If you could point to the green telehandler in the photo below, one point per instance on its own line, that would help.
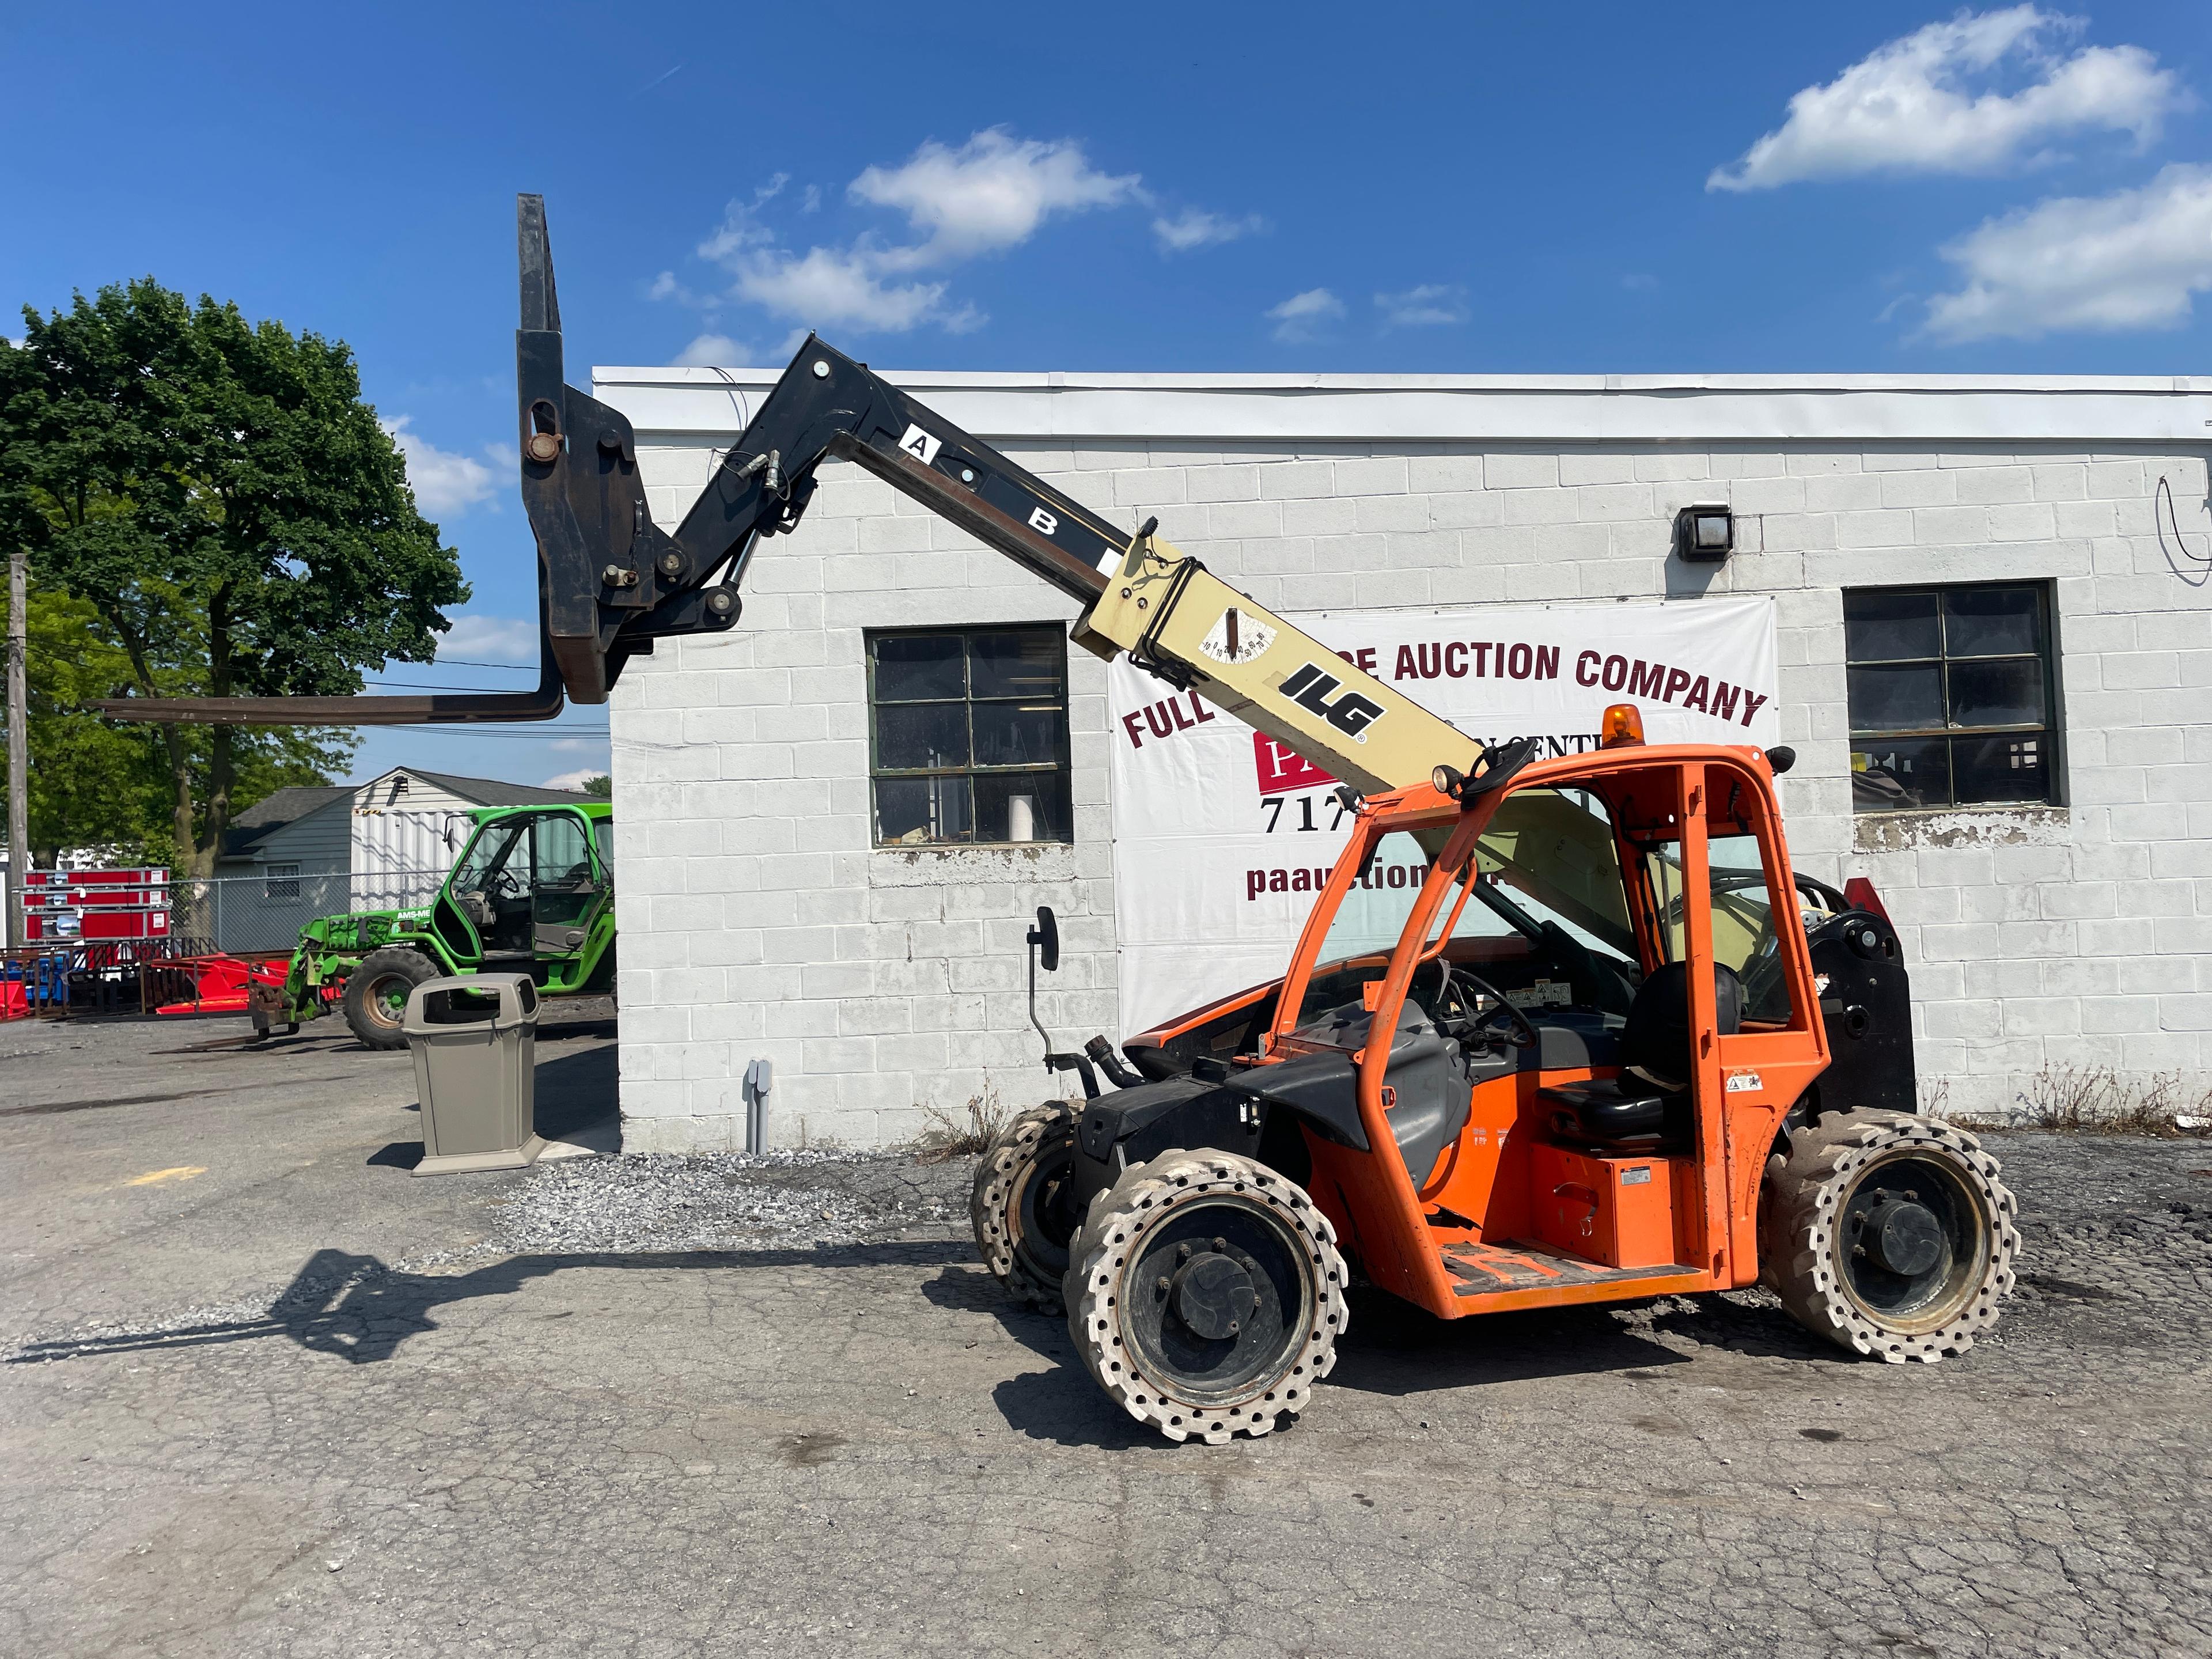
(533, 892)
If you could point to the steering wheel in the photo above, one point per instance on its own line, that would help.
(502, 885)
(1519, 1031)
(1447, 996)
(1764, 994)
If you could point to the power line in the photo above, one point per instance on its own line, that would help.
(428, 686)
(491, 729)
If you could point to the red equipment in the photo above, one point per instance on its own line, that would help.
(213, 985)
(95, 904)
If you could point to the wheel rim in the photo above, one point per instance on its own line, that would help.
(386, 1001)
(1218, 1299)
(1912, 1241)
(1043, 1211)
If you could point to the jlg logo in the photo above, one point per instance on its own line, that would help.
(1311, 687)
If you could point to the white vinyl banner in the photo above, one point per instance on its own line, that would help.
(1222, 836)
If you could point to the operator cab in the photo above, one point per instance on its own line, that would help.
(1521, 972)
(1550, 1102)
(525, 887)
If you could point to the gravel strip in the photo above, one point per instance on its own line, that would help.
(724, 1201)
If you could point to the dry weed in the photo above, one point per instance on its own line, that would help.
(2099, 1100)
(946, 1136)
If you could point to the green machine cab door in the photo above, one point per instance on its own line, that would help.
(565, 883)
(490, 886)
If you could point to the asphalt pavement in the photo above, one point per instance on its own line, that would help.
(262, 1391)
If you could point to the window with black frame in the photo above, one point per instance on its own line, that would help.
(1951, 693)
(968, 731)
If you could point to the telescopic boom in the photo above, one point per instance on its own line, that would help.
(611, 582)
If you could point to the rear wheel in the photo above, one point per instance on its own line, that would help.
(376, 994)
(1206, 1296)
(1889, 1235)
(1023, 1208)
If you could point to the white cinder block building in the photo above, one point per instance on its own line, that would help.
(1995, 645)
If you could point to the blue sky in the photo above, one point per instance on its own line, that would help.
(1610, 188)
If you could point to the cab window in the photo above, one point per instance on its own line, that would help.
(1547, 922)
(1543, 913)
(1744, 936)
(561, 856)
(490, 860)
(1554, 853)
(1369, 920)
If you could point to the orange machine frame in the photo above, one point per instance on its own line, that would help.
(1471, 1208)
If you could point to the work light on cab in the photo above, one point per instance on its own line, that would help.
(1448, 781)
(1622, 727)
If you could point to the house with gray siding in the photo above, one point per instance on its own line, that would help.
(311, 850)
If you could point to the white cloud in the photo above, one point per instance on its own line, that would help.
(1300, 316)
(575, 780)
(444, 482)
(990, 195)
(740, 229)
(1429, 306)
(1194, 227)
(491, 639)
(832, 288)
(712, 351)
(1931, 102)
(667, 286)
(2130, 260)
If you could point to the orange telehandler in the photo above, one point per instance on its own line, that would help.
(1557, 1030)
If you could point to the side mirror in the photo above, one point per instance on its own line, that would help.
(1045, 936)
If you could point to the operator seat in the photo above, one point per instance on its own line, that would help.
(1648, 1107)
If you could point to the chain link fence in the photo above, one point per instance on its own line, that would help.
(259, 915)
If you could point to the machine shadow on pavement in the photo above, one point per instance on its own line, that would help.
(1396, 1349)
(356, 1308)
(1391, 1349)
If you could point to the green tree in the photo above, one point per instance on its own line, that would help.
(238, 522)
(90, 782)
(599, 785)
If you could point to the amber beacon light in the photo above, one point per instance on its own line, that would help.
(1622, 727)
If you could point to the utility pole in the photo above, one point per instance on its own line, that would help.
(19, 740)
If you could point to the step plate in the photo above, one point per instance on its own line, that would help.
(1483, 1268)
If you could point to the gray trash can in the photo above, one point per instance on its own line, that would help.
(475, 1042)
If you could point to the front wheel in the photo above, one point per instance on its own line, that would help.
(1205, 1295)
(1023, 1206)
(376, 994)
(1889, 1235)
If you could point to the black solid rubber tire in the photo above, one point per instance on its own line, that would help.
(1040, 1143)
(1805, 1250)
(1110, 1244)
(378, 968)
